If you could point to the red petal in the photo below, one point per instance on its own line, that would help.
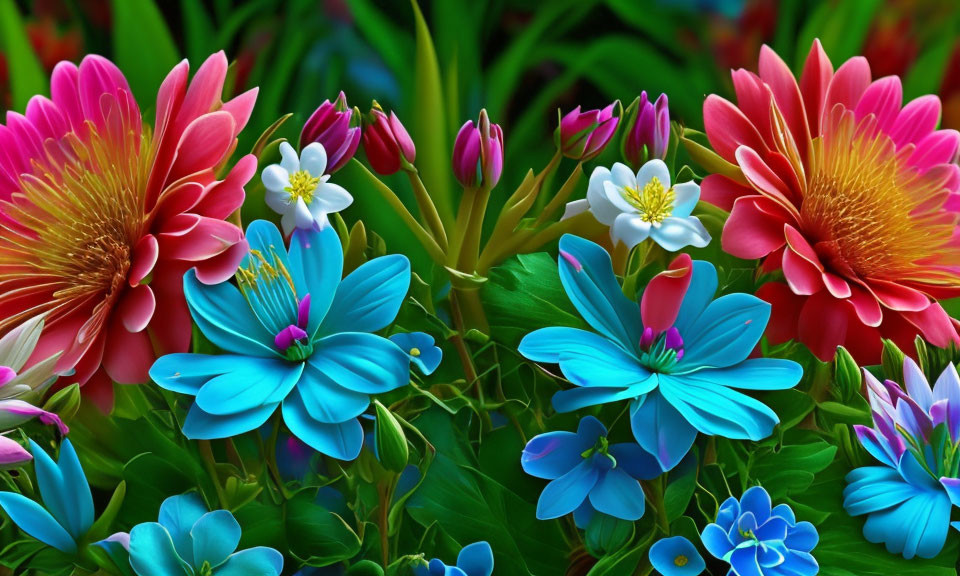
(728, 129)
(127, 356)
(775, 72)
(722, 192)
(145, 255)
(817, 73)
(785, 308)
(662, 297)
(898, 297)
(935, 324)
(823, 324)
(136, 308)
(754, 228)
(764, 179)
(803, 277)
(847, 85)
(865, 305)
(204, 144)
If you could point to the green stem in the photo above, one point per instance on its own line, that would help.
(427, 208)
(460, 228)
(424, 237)
(206, 452)
(470, 249)
(271, 456)
(562, 195)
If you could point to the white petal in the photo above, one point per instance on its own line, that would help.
(331, 198)
(302, 215)
(313, 159)
(657, 168)
(676, 233)
(614, 195)
(279, 202)
(275, 178)
(686, 196)
(601, 207)
(630, 229)
(290, 162)
(575, 208)
(288, 222)
(623, 176)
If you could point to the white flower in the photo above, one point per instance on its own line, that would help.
(21, 388)
(298, 190)
(644, 205)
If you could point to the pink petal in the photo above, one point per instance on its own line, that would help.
(754, 228)
(775, 72)
(241, 108)
(662, 297)
(935, 324)
(722, 191)
(917, 120)
(823, 325)
(223, 266)
(169, 99)
(64, 91)
(12, 454)
(785, 309)
(939, 147)
(203, 145)
(47, 118)
(753, 99)
(127, 356)
(865, 305)
(221, 199)
(29, 411)
(177, 200)
(802, 248)
(764, 179)
(136, 308)
(728, 129)
(847, 85)
(206, 237)
(837, 286)
(883, 99)
(173, 334)
(145, 255)
(99, 76)
(204, 91)
(899, 297)
(816, 77)
(803, 277)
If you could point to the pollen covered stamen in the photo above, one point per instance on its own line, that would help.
(302, 185)
(654, 202)
(268, 288)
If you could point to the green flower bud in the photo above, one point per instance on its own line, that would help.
(390, 442)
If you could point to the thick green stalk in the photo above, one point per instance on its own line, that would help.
(427, 208)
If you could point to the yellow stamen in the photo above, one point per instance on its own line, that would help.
(680, 561)
(654, 202)
(414, 352)
(302, 185)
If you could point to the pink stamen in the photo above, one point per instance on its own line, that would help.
(303, 312)
(647, 338)
(286, 337)
(571, 260)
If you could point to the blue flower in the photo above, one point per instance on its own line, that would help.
(473, 560)
(68, 514)
(676, 556)
(189, 540)
(759, 541)
(424, 354)
(679, 356)
(297, 337)
(908, 500)
(585, 469)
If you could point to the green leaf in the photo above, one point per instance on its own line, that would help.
(65, 403)
(27, 77)
(316, 535)
(791, 469)
(606, 534)
(623, 563)
(429, 128)
(142, 46)
(682, 484)
(101, 528)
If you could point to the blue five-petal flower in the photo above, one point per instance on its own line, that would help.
(474, 560)
(296, 337)
(676, 556)
(674, 393)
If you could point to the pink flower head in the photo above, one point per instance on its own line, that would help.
(478, 153)
(846, 190)
(386, 142)
(102, 214)
(583, 135)
(648, 133)
(332, 125)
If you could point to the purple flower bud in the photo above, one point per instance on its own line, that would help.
(583, 135)
(478, 153)
(12, 454)
(647, 338)
(334, 126)
(648, 131)
(303, 312)
(6, 374)
(673, 339)
(286, 337)
(386, 142)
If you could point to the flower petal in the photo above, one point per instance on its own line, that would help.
(37, 522)
(327, 401)
(370, 297)
(619, 495)
(661, 430)
(152, 551)
(725, 333)
(718, 410)
(251, 384)
(224, 317)
(257, 561)
(201, 425)
(563, 495)
(361, 362)
(215, 537)
(316, 259)
(341, 441)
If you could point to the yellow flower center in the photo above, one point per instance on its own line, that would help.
(654, 202)
(414, 352)
(867, 212)
(680, 561)
(302, 185)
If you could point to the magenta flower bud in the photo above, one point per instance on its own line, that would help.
(646, 339)
(583, 135)
(335, 127)
(478, 153)
(386, 142)
(648, 131)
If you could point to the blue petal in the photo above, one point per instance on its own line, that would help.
(429, 356)
(186, 373)
(152, 552)
(916, 527)
(252, 383)
(744, 562)
(201, 425)
(215, 537)
(583, 514)
(259, 561)
(177, 515)
(619, 495)
(327, 401)
(590, 429)
(316, 258)
(717, 410)
(362, 362)
(565, 494)
(476, 559)
(799, 563)
(952, 486)
(594, 291)
(576, 398)
(225, 318)
(756, 501)
(874, 488)
(116, 546)
(661, 430)
(370, 297)
(597, 361)
(715, 540)
(725, 333)
(546, 344)
(703, 286)
(37, 522)
(53, 490)
(635, 461)
(80, 499)
(754, 374)
(802, 537)
(551, 455)
(665, 552)
(341, 441)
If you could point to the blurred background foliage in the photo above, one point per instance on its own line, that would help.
(521, 59)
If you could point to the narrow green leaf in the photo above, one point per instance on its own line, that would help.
(142, 45)
(26, 74)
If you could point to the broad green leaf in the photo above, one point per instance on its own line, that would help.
(142, 46)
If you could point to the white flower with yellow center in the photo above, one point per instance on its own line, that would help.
(299, 191)
(644, 205)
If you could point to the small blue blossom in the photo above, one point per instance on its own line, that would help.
(297, 337)
(67, 514)
(188, 540)
(680, 357)
(421, 347)
(676, 556)
(758, 540)
(473, 560)
(586, 471)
